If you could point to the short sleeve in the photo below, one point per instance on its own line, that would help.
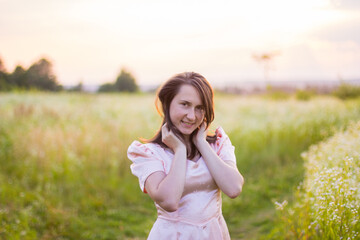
(144, 162)
(223, 146)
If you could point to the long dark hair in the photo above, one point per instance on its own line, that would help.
(166, 94)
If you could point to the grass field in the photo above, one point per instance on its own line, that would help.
(64, 173)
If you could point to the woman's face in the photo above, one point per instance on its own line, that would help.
(186, 110)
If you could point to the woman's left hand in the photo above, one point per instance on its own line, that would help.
(200, 137)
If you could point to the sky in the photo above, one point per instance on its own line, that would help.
(92, 40)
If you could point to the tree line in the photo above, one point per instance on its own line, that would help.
(40, 76)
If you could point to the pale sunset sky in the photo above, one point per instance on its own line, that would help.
(91, 40)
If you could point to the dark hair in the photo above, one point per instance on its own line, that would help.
(166, 94)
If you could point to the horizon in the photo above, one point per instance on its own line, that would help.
(244, 85)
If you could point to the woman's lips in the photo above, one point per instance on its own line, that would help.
(187, 124)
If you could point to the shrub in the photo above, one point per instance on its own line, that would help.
(345, 91)
(304, 95)
(276, 94)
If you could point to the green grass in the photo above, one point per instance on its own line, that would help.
(65, 175)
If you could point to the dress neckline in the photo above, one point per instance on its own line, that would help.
(189, 160)
(197, 160)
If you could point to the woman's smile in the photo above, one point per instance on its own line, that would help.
(187, 124)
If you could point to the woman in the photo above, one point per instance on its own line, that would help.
(183, 169)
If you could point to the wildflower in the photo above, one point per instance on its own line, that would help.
(280, 206)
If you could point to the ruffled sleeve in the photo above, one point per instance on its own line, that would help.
(223, 146)
(144, 162)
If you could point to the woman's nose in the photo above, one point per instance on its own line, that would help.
(191, 114)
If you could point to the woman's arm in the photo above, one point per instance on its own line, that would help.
(225, 173)
(166, 190)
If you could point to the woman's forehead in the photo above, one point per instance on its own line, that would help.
(188, 93)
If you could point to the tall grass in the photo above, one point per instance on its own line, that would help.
(65, 169)
(64, 172)
(328, 201)
(269, 137)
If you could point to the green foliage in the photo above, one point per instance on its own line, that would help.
(107, 87)
(4, 84)
(304, 95)
(327, 204)
(346, 91)
(65, 175)
(2, 66)
(38, 76)
(125, 82)
(276, 94)
(19, 78)
(77, 88)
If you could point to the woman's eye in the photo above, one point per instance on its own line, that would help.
(200, 108)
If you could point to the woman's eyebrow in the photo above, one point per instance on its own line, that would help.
(190, 103)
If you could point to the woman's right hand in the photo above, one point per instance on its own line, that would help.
(170, 139)
(166, 189)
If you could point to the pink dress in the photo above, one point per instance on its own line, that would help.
(199, 214)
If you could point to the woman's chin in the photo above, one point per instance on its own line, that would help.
(186, 132)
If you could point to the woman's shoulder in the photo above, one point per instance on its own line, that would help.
(221, 137)
(136, 145)
(220, 134)
(220, 131)
(223, 146)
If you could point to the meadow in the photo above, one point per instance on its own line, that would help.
(64, 173)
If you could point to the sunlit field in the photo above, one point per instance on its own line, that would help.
(64, 173)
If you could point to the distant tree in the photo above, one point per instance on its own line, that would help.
(4, 81)
(125, 82)
(77, 88)
(2, 66)
(19, 78)
(41, 76)
(107, 87)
